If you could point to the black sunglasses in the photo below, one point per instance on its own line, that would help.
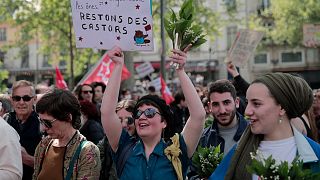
(47, 123)
(129, 120)
(86, 92)
(25, 98)
(149, 113)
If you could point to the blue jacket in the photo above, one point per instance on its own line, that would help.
(308, 150)
(211, 136)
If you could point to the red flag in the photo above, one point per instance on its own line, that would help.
(60, 83)
(165, 91)
(102, 71)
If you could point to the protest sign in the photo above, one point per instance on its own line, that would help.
(244, 46)
(144, 69)
(311, 35)
(102, 24)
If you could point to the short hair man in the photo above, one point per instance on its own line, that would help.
(228, 124)
(98, 88)
(26, 122)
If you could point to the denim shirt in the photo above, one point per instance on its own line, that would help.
(137, 167)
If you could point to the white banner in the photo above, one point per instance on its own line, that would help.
(144, 69)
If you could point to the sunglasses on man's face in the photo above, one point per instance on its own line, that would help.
(87, 92)
(47, 123)
(149, 113)
(25, 98)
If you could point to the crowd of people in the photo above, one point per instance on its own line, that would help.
(102, 132)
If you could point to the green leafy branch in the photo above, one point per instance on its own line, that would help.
(183, 25)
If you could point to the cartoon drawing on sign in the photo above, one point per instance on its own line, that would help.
(139, 37)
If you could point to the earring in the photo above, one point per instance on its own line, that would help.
(280, 121)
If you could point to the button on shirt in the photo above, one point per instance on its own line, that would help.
(137, 167)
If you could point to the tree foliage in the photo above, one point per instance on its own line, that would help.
(51, 22)
(288, 18)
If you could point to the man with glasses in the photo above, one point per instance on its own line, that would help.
(26, 122)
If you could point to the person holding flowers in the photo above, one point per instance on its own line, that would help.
(151, 157)
(273, 99)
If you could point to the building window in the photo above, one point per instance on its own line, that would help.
(3, 34)
(25, 57)
(231, 35)
(231, 5)
(291, 57)
(261, 59)
(45, 62)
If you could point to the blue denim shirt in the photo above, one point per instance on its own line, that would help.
(137, 167)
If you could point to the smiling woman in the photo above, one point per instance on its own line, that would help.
(64, 153)
(152, 155)
(273, 100)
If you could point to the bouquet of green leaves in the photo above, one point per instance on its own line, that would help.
(206, 160)
(270, 169)
(182, 30)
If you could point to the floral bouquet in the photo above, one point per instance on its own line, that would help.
(182, 30)
(206, 160)
(270, 169)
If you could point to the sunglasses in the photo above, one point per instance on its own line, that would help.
(87, 92)
(47, 123)
(128, 120)
(25, 98)
(149, 113)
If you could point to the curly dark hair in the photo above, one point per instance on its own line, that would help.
(60, 104)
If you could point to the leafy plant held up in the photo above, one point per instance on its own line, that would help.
(184, 26)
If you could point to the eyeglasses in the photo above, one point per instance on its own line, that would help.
(25, 98)
(47, 123)
(149, 113)
(87, 92)
(128, 120)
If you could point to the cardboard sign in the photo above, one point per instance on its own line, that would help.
(102, 24)
(244, 46)
(144, 69)
(311, 35)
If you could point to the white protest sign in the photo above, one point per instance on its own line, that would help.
(244, 45)
(144, 69)
(311, 35)
(156, 83)
(102, 24)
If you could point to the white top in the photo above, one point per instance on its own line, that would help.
(281, 150)
(10, 152)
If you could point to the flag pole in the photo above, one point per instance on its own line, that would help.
(90, 71)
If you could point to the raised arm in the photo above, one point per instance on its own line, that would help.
(110, 121)
(194, 126)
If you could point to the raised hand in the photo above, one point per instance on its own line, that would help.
(231, 68)
(116, 55)
(179, 57)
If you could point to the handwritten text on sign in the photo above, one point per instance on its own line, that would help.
(244, 46)
(102, 24)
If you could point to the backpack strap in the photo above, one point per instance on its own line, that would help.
(124, 155)
(74, 158)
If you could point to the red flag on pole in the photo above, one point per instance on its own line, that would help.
(102, 71)
(165, 91)
(60, 83)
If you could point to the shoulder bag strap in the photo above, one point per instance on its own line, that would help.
(74, 158)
